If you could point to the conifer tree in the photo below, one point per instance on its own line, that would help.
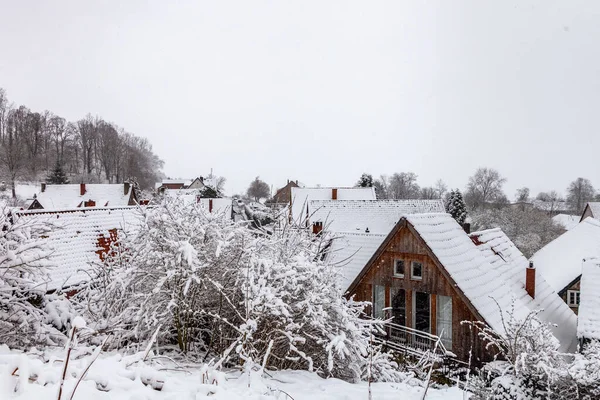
(57, 176)
(455, 206)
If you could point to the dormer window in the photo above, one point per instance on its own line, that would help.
(416, 270)
(573, 298)
(399, 268)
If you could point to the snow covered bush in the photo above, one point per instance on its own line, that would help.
(585, 370)
(237, 295)
(530, 365)
(23, 270)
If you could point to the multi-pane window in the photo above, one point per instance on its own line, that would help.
(416, 270)
(378, 301)
(573, 298)
(399, 268)
(444, 320)
(399, 307)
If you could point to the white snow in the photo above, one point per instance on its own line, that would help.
(379, 216)
(567, 221)
(64, 197)
(74, 239)
(302, 196)
(117, 377)
(511, 264)
(560, 260)
(589, 306)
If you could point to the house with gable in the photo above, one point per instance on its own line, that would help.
(300, 198)
(592, 209)
(83, 195)
(429, 275)
(283, 196)
(560, 260)
(588, 326)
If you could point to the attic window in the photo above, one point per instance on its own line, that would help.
(399, 268)
(416, 270)
(573, 298)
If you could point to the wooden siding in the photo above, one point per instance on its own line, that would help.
(575, 285)
(408, 247)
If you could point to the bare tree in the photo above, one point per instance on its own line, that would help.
(429, 193)
(404, 186)
(381, 187)
(484, 187)
(441, 188)
(12, 151)
(579, 192)
(522, 194)
(258, 190)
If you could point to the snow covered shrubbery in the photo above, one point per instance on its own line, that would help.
(23, 265)
(532, 367)
(235, 294)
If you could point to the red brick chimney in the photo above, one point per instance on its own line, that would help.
(43, 187)
(334, 194)
(530, 280)
(317, 227)
(81, 189)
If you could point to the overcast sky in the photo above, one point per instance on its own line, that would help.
(321, 91)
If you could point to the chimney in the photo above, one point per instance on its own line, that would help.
(126, 188)
(334, 194)
(43, 187)
(467, 227)
(81, 189)
(317, 227)
(89, 203)
(530, 280)
(210, 205)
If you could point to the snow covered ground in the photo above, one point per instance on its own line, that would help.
(36, 375)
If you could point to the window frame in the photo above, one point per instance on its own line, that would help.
(375, 299)
(403, 268)
(577, 295)
(412, 271)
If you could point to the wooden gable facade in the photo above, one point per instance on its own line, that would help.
(419, 293)
(571, 294)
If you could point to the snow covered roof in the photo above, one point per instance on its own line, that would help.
(66, 197)
(351, 251)
(594, 207)
(379, 216)
(567, 221)
(302, 196)
(589, 301)
(560, 260)
(75, 241)
(219, 205)
(511, 265)
(551, 205)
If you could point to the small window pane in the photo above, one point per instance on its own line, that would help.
(573, 297)
(417, 270)
(378, 301)
(399, 268)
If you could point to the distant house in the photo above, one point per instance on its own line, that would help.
(67, 197)
(283, 196)
(369, 216)
(81, 239)
(193, 196)
(429, 275)
(172, 184)
(588, 326)
(560, 260)
(179, 184)
(549, 207)
(592, 209)
(302, 196)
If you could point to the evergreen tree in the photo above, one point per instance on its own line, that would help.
(57, 176)
(455, 206)
(365, 180)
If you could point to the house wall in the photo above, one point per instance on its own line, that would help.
(576, 285)
(284, 195)
(587, 212)
(405, 245)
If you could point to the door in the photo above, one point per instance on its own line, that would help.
(422, 312)
(399, 307)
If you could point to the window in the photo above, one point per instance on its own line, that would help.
(416, 270)
(421, 316)
(573, 298)
(444, 320)
(378, 301)
(399, 268)
(399, 307)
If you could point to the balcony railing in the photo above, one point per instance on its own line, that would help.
(411, 341)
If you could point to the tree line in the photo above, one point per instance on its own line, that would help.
(484, 190)
(90, 150)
